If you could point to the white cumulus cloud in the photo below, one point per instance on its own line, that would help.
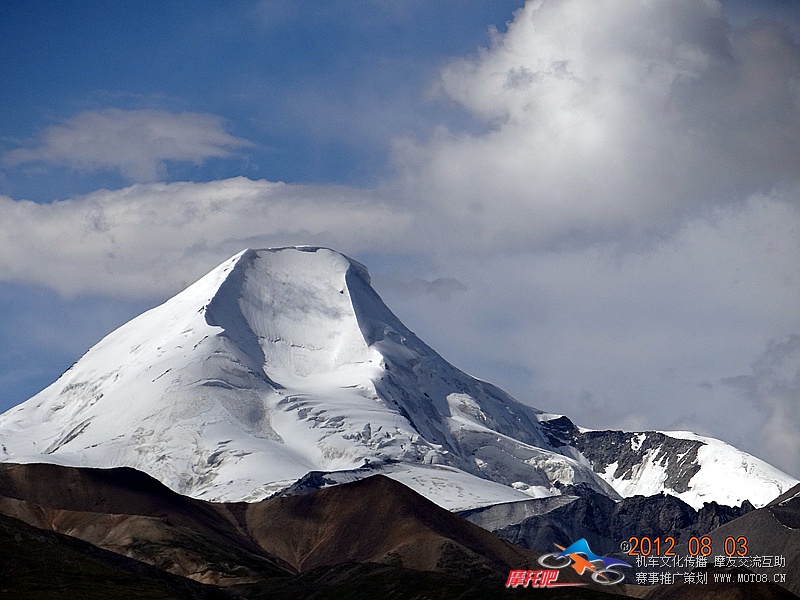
(610, 119)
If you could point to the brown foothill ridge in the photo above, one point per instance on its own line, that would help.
(373, 520)
(376, 519)
(131, 513)
(119, 490)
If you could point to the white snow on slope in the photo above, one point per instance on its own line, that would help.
(277, 363)
(725, 475)
(741, 475)
(285, 361)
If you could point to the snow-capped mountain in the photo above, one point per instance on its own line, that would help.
(697, 469)
(284, 361)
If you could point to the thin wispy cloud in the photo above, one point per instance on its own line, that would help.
(150, 240)
(773, 386)
(136, 143)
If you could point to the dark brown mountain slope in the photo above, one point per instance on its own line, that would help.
(773, 530)
(36, 564)
(373, 520)
(121, 490)
(128, 512)
(374, 534)
(722, 591)
(378, 520)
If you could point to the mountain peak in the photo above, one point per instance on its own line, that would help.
(285, 361)
(290, 311)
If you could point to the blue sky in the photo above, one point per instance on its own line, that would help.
(318, 88)
(593, 206)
